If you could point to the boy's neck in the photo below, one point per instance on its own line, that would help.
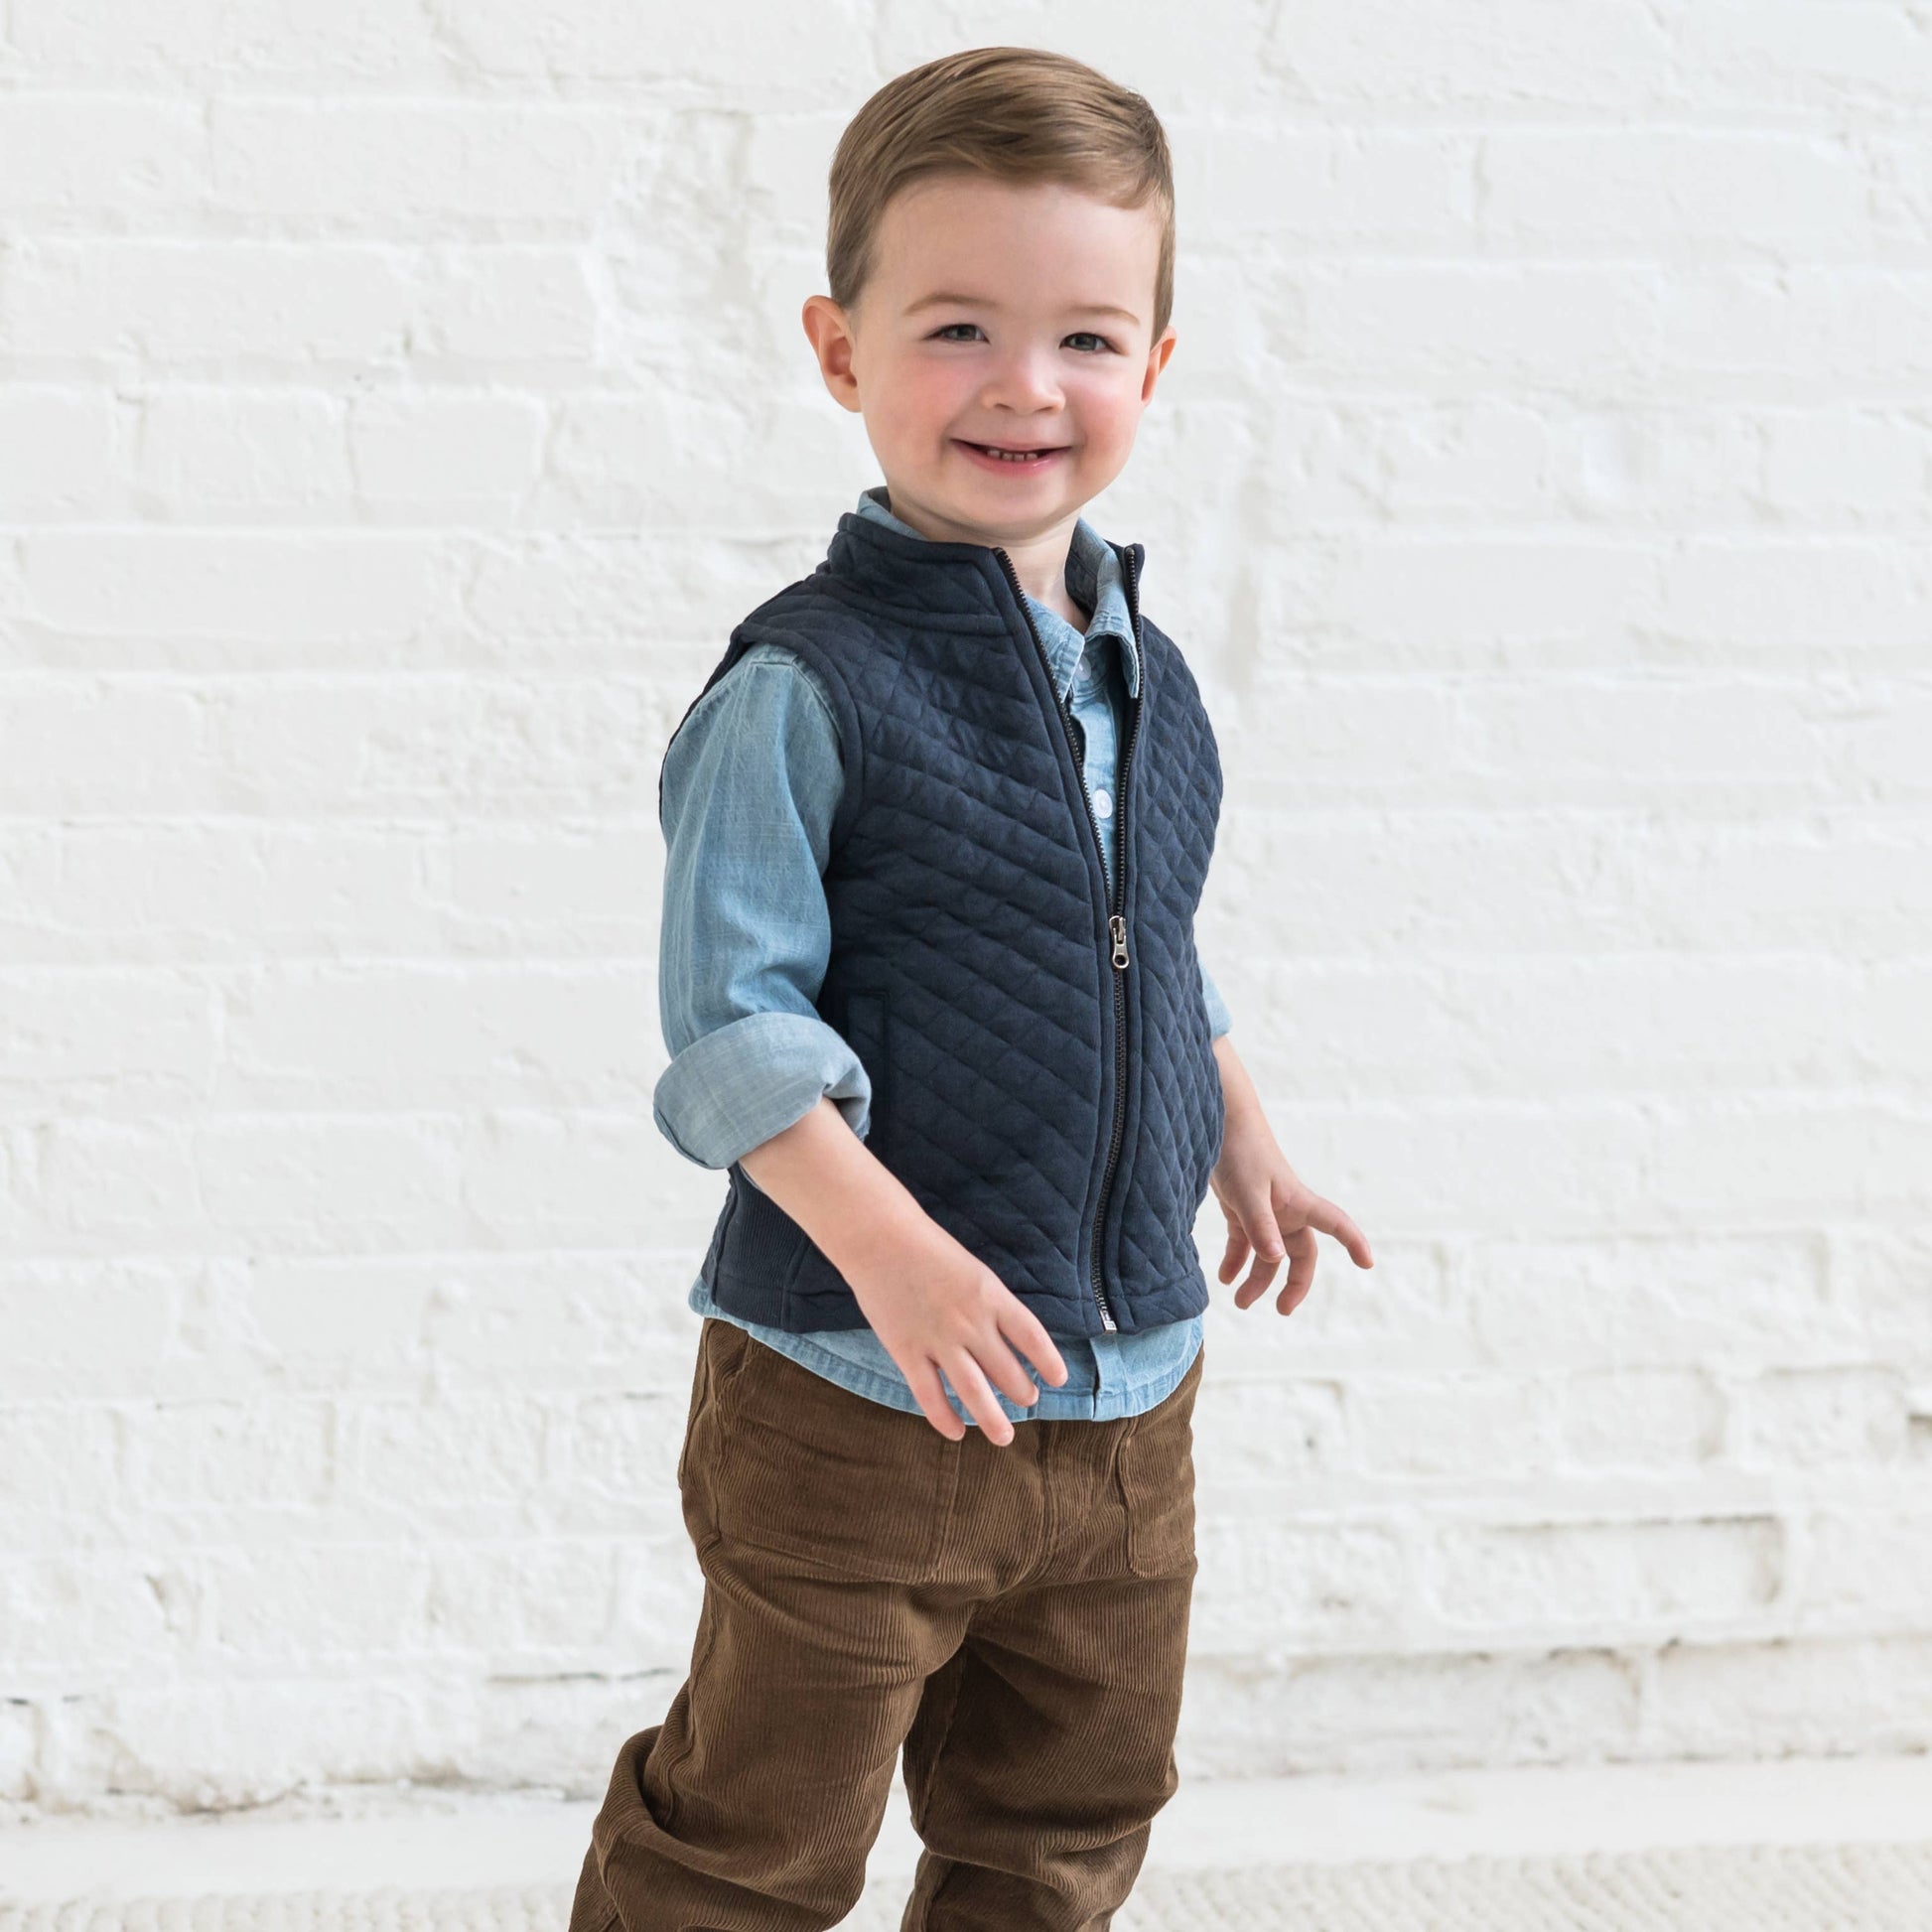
(1039, 561)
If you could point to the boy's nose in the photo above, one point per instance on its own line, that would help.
(1025, 380)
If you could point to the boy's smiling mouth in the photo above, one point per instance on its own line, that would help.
(1012, 456)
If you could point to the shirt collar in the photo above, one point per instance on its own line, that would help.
(1093, 578)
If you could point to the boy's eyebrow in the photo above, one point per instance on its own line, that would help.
(951, 301)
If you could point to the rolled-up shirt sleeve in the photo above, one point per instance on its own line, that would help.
(751, 782)
(1219, 1021)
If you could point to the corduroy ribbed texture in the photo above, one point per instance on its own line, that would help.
(1016, 1617)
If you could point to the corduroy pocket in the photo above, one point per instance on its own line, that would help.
(722, 1349)
(1153, 1467)
(700, 1388)
(818, 1474)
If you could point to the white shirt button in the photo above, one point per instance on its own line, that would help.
(1103, 805)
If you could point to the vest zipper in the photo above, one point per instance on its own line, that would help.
(1116, 922)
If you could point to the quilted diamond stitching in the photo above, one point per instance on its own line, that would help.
(964, 892)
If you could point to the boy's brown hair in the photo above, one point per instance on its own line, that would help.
(1016, 113)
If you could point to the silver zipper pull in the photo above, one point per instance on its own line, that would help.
(1119, 925)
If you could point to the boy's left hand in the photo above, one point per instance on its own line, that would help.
(1271, 1211)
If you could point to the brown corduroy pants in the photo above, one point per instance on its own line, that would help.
(1015, 1617)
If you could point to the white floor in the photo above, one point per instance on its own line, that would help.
(358, 1840)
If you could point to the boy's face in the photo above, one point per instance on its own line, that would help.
(998, 314)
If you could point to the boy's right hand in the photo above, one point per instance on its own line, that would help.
(936, 1306)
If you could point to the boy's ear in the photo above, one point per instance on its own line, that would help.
(830, 336)
(1157, 360)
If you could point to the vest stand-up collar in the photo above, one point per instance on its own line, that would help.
(940, 576)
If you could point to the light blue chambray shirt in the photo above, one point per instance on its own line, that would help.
(752, 781)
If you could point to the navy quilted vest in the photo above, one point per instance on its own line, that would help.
(1043, 1080)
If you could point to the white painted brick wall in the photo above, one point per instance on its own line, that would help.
(398, 407)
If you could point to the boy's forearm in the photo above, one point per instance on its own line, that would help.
(1237, 1089)
(849, 1201)
(833, 1185)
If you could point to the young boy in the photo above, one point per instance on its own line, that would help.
(937, 827)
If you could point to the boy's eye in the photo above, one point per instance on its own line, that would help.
(1079, 334)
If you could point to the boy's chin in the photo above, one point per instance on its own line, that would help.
(970, 485)
(968, 497)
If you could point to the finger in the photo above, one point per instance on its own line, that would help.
(1237, 1253)
(972, 1388)
(1259, 1276)
(1006, 1371)
(1327, 1216)
(1040, 1347)
(923, 1378)
(1301, 1257)
(1265, 1233)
